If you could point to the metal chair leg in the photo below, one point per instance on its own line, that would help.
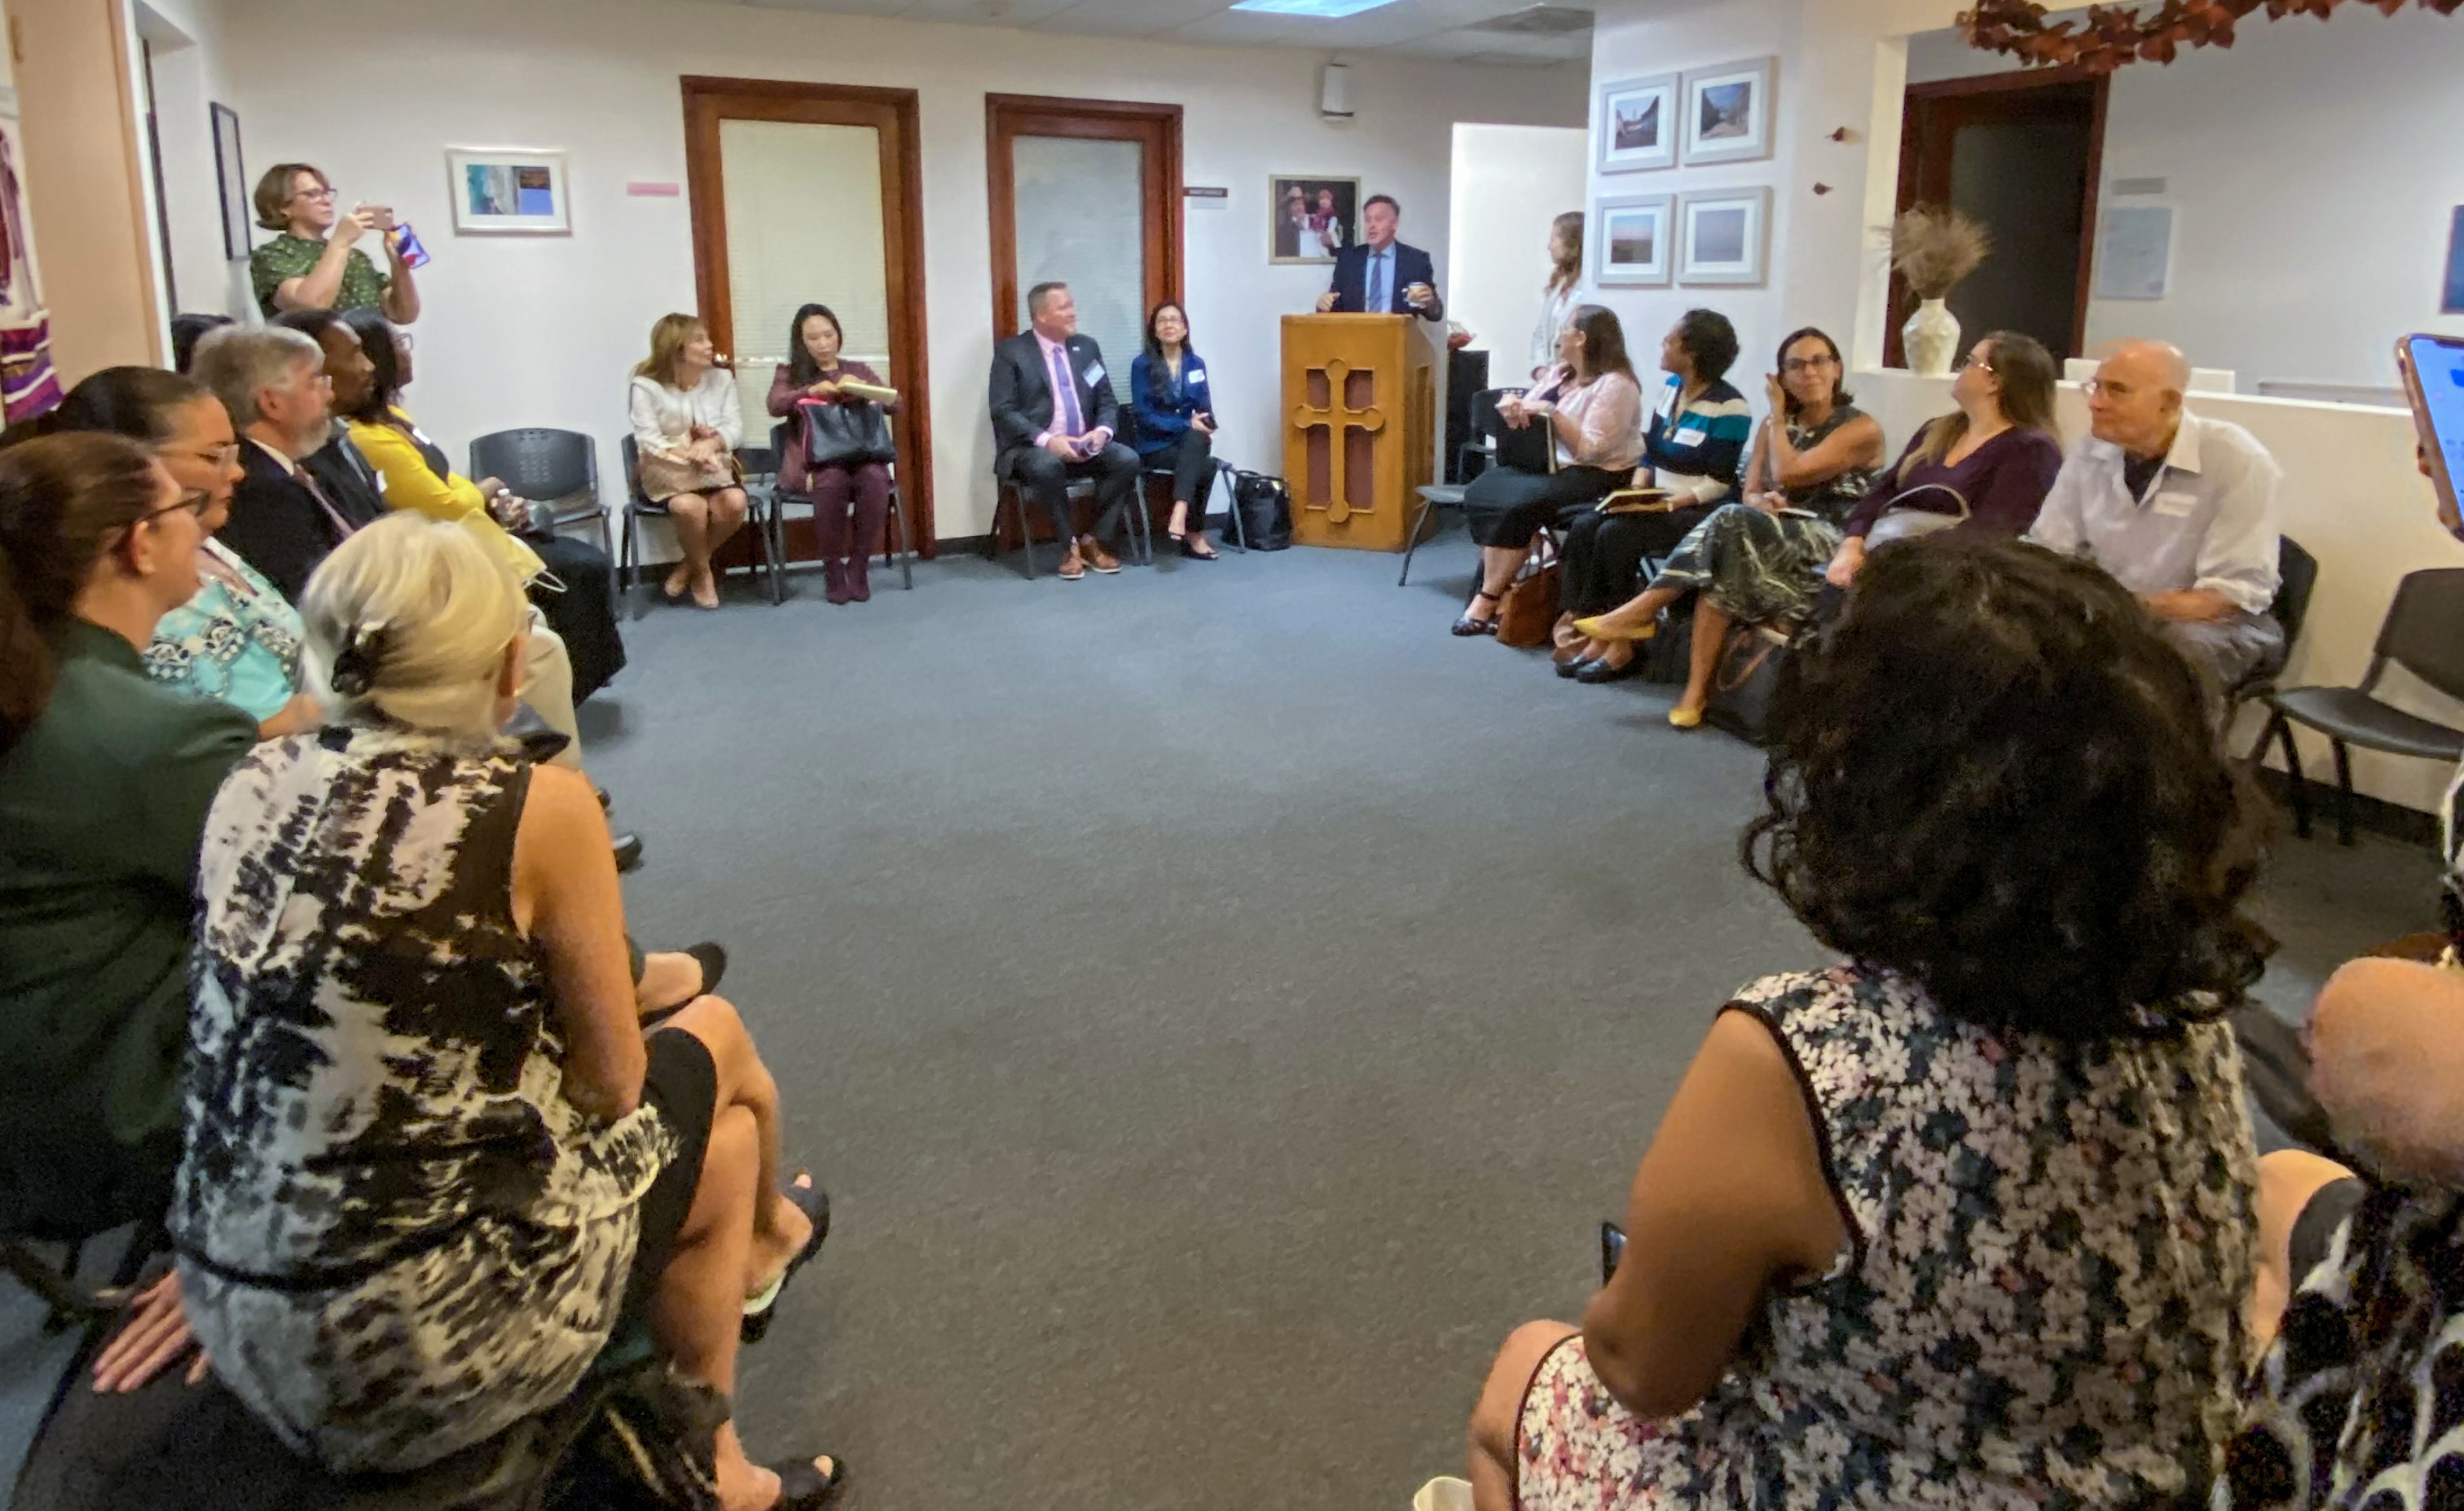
(1236, 533)
(2281, 729)
(776, 548)
(906, 543)
(1412, 541)
(629, 572)
(2344, 792)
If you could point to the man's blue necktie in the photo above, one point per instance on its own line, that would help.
(1377, 297)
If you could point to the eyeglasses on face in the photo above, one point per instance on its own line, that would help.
(195, 503)
(1971, 359)
(2103, 388)
(324, 192)
(1799, 364)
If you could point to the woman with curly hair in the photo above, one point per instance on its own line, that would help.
(1964, 1222)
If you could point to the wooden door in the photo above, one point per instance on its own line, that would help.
(1101, 185)
(2021, 152)
(720, 117)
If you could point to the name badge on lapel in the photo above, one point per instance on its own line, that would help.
(1092, 375)
(1692, 436)
(1197, 379)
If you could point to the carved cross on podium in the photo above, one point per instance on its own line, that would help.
(1338, 416)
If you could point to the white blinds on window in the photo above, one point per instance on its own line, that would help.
(1080, 223)
(803, 225)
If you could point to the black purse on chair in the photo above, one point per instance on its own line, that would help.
(847, 435)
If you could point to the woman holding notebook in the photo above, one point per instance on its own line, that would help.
(816, 373)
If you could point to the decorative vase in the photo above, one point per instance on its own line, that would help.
(1931, 337)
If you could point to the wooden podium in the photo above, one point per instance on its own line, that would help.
(1360, 410)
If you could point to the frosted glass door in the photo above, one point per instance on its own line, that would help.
(804, 226)
(1080, 221)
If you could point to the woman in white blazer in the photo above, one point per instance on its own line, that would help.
(687, 424)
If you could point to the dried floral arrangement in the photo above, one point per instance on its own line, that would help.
(1934, 246)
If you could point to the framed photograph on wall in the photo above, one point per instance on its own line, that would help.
(1723, 236)
(1311, 217)
(501, 190)
(231, 174)
(1729, 111)
(1635, 124)
(1632, 234)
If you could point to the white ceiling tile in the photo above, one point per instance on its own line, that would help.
(836, 7)
(1129, 17)
(1407, 28)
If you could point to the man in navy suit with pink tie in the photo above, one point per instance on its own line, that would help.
(1054, 416)
(1381, 275)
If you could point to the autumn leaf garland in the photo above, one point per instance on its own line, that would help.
(2112, 35)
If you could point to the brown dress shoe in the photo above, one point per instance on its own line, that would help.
(1072, 568)
(1101, 560)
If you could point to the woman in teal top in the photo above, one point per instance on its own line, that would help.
(1175, 414)
(237, 639)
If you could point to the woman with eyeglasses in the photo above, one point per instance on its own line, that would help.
(236, 638)
(1760, 561)
(105, 777)
(314, 263)
(1986, 467)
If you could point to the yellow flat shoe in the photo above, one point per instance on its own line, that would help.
(1592, 628)
(1686, 718)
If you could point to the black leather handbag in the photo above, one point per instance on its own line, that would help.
(847, 435)
(1748, 675)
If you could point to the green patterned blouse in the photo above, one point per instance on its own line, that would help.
(287, 256)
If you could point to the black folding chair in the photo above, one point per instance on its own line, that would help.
(1485, 422)
(2422, 633)
(629, 565)
(1236, 533)
(1008, 498)
(2297, 576)
(556, 468)
(897, 537)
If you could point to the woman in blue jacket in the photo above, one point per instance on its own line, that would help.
(1176, 423)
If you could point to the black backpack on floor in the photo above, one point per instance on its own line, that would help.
(1266, 507)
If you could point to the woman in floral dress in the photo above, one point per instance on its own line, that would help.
(1964, 1222)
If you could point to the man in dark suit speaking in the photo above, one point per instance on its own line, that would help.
(1054, 418)
(1381, 275)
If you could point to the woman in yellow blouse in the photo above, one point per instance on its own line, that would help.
(416, 474)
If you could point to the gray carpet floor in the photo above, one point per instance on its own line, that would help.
(1220, 1003)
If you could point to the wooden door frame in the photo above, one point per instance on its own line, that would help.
(1911, 149)
(902, 226)
(1006, 115)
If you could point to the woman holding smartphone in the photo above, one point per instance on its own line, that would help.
(1175, 416)
(315, 263)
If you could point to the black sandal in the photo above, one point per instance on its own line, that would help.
(1468, 627)
(801, 1487)
(815, 1204)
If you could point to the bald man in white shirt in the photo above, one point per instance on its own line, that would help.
(2178, 509)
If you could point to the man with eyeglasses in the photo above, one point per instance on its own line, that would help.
(2178, 509)
(284, 518)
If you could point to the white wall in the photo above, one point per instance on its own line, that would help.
(2313, 174)
(542, 331)
(1842, 70)
(188, 76)
(1509, 183)
(2354, 500)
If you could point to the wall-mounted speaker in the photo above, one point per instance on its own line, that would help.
(1335, 92)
